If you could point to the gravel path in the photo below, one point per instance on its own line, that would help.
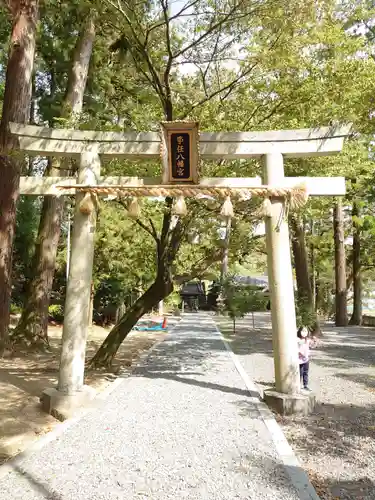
(181, 427)
(336, 444)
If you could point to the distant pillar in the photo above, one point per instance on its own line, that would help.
(284, 329)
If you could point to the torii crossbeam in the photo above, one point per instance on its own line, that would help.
(90, 146)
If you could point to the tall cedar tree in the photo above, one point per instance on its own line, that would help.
(301, 263)
(356, 318)
(33, 326)
(16, 108)
(341, 316)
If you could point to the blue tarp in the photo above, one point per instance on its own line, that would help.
(145, 328)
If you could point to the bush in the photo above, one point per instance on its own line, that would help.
(56, 312)
(305, 316)
(239, 300)
(15, 308)
(173, 301)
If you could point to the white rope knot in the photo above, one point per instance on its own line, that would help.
(227, 208)
(134, 210)
(266, 208)
(179, 207)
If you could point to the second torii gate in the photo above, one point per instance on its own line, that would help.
(90, 146)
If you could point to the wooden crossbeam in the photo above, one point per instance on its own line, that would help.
(316, 186)
(146, 145)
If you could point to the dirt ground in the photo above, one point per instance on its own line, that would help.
(24, 375)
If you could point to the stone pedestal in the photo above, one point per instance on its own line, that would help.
(289, 404)
(63, 406)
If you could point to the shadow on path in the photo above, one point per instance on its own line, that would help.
(206, 385)
(184, 359)
(37, 486)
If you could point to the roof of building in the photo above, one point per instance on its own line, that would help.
(192, 288)
(261, 281)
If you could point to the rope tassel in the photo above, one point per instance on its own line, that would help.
(179, 207)
(87, 204)
(266, 208)
(134, 210)
(227, 208)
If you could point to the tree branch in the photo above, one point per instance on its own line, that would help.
(272, 112)
(155, 233)
(177, 236)
(168, 94)
(230, 86)
(200, 267)
(166, 220)
(210, 30)
(207, 61)
(141, 48)
(184, 9)
(214, 52)
(143, 226)
(151, 231)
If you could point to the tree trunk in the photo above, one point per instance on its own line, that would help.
(120, 311)
(168, 245)
(300, 260)
(33, 326)
(159, 290)
(313, 270)
(91, 306)
(73, 101)
(313, 276)
(356, 318)
(305, 294)
(16, 108)
(341, 317)
(318, 298)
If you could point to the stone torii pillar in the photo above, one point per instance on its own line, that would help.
(286, 398)
(71, 391)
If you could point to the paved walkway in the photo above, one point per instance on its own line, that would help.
(184, 426)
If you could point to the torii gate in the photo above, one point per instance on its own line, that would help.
(270, 146)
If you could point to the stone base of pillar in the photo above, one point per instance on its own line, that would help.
(289, 404)
(63, 406)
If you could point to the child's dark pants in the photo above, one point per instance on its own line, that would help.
(304, 373)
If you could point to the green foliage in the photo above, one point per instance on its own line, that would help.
(239, 300)
(125, 256)
(15, 309)
(56, 312)
(270, 65)
(23, 249)
(304, 315)
(173, 301)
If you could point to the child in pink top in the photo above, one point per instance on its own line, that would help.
(304, 345)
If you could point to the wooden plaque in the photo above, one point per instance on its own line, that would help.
(180, 152)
